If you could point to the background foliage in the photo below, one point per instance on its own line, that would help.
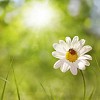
(28, 50)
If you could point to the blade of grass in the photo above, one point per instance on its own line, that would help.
(90, 97)
(2, 95)
(3, 79)
(52, 98)
(84, 84)
(97, 63)
(18, 94)
(45, 91)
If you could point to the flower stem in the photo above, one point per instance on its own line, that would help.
(84, 84)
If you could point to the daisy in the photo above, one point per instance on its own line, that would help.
(71, 54)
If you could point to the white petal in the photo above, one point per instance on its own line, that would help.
(73, 70)
(68, 41)
(82, 42)
(64, 67)
(81, 65)
(78, 45)
(88, 57)
(75, 40)
(86, 62)
(62, 42)
(58, 64)
(58, 55)
(58, 47)
(55, 45)
(64, 45)
(85, 49)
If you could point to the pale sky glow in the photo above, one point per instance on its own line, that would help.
(39, 15)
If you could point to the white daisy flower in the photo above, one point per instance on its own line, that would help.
(71, 54)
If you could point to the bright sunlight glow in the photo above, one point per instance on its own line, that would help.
(39, 15)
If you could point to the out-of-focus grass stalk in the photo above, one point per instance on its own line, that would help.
(2, 95)
(18, 94)
(90, 97)
(84, 84)
(3, 79)
(97, 63)
(6, 80)
(45, 91)
(52, 98)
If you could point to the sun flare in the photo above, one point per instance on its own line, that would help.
(39, 15)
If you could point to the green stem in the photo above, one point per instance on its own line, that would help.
(84, 84)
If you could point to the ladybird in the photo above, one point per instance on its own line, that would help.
(71, 51)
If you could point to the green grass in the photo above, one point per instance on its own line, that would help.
(17, 89)
(4, 87)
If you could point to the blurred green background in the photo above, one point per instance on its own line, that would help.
(28, 28)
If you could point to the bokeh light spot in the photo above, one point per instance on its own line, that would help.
(39, 15)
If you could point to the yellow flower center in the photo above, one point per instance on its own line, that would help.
(71, 55)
